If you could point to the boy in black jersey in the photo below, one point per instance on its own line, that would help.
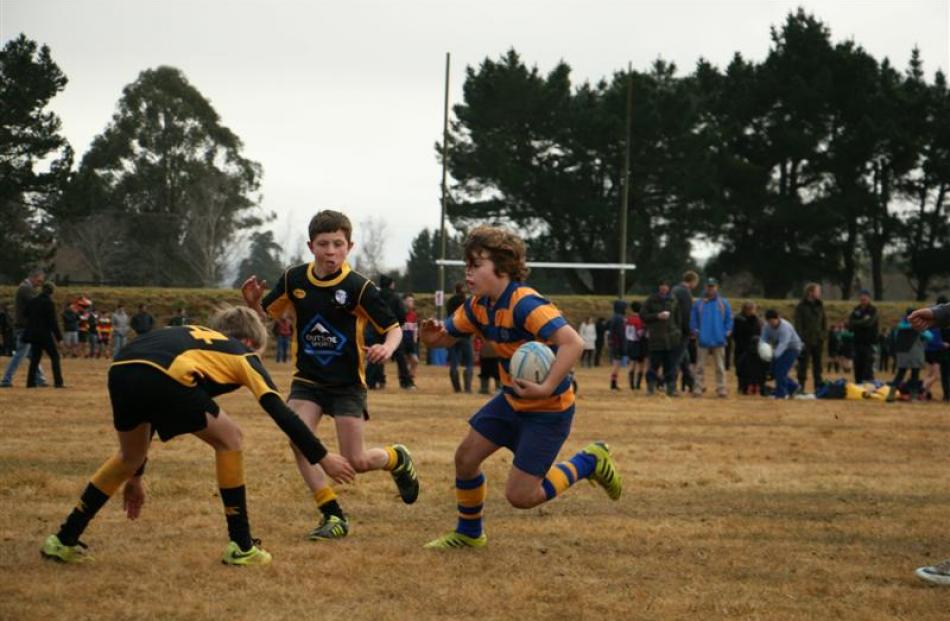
(165, 382)
(333, 306)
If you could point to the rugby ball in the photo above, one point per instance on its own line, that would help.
(765, 351)
(532, 362)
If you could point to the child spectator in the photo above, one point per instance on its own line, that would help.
(120, 328)
(588, 332)
(410, 338)
(71, 330)
(283, 330)
(910, 356)
(786, 347)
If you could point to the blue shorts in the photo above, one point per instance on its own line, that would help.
(535, 438)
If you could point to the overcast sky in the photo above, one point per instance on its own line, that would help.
(341, 102)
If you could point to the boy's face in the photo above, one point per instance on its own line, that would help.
(773, 322)
(481, 278)
(329, 251)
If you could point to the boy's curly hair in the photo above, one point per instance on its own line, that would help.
(504, 248)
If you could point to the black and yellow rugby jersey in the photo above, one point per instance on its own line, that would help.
(198, 356)
(331, 318)
(519, 315)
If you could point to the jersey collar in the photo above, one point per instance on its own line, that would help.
(332, 281)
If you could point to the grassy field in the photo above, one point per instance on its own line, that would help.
(738, 508)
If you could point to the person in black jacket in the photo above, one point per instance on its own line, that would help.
(747, 327)
(863, 323)
(387, 291)
(43, 334)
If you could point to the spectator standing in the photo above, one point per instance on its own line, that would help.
(746, 329)
(711, 324)
(863, 324)
(387, 291)
(461, 352)
(601, 326)
(933, 352)
(410, 336)
(24, 293)
(911, 356)
(6, 332)
(92, 331)
(811, 324)
(786, 347)
(615, 340)
(71, 330)
(488, 368)
(142, 321)
(588, 332)
(120, 328)
(945, 357)
(283, 330)
(43, 334)
(682, 357)
(180, 318)
(661, 317)
(636, 350)
(105, 333)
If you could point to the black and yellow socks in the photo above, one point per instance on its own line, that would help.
(104, 483)
(230, 469)
(326, 502)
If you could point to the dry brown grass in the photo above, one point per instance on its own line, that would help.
(743, 508)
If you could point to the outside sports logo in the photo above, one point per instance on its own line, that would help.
(323, 342)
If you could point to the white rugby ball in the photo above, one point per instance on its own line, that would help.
(765, 351)
(532, 362)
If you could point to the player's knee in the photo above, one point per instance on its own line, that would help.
(519, 499)
(465, 465)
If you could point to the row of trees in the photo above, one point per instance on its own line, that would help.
(808, 165)
(159, 198)
(801, 167)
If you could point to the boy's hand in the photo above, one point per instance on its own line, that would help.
(253, 291)
(133, 497)
(338, 468)
(531, 390)
(377, 353)
(921, 319)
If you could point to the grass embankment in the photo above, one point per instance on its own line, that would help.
(200, 302)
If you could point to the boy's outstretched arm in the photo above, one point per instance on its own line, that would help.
(433, 334)
(569, 348)
(253, 292)
(381, 352)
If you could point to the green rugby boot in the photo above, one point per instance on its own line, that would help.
(605, 472)
(55, 550)
(332, 527)
(405, 475)
(457, 540)
(234, 555)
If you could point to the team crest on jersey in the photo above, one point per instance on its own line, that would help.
(300, 294)
(323, 342)
(340, 296)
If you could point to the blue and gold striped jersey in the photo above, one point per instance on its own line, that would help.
(200, 357)
(331, 318)
(519, 315)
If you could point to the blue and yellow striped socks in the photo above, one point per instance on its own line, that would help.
(566, 473)
(471, 495)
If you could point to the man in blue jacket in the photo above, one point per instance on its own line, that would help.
(711, 322)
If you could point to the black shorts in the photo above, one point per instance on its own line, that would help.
(337, 401)
(410, 347)
(143, 394)
(932, 357)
